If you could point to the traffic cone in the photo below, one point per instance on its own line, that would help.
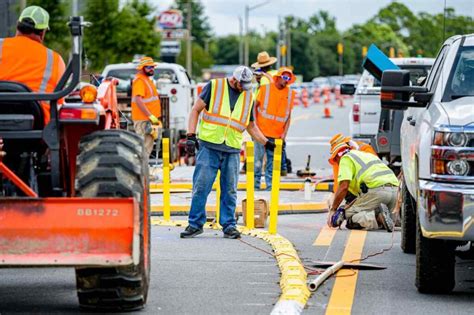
(305, 97)
(327, 96)
(317, 95)
(327, 112)
(296, 101)
(339, 99)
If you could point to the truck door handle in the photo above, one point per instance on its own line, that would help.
(409, 118)
(412, 122)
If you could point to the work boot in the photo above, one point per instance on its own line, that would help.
(190, 232)
(382, 214)
(284, 173)
(231, 232)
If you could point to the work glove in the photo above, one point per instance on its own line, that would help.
(338, 217)
(191, 143)
(270, 146)
(154, 120)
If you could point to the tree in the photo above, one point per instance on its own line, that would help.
(225, 50)
(201, 59)
(201, 30)
(58, 37)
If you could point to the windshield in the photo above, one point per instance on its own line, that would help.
(461, 78)
(416, 72)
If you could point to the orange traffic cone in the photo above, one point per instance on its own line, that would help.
(327, 96)
(316, 95)
(339, 99)
(296, 101)
(327, 112)
(305, 97)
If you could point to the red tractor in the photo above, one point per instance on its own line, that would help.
(75, 192)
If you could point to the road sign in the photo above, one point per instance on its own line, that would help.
(170, 48)
(170, 19)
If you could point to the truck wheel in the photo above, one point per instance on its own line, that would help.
(408, 218)
(435, 264)
(113, 163)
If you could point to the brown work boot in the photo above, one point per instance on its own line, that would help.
(383, 217)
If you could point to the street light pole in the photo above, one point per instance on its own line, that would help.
(241, 42)
(189, 56)
(246, 15)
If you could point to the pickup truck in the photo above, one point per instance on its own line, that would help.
(437, 148)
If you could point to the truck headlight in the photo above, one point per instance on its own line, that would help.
(457, 139)
(458, 167)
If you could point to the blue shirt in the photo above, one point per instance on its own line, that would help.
(233, 97)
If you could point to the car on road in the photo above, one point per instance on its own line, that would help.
(371, 124)
(321, 83)
(437, 148)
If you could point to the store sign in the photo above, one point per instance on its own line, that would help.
(170, 48)
(174, 34)
(170, 19)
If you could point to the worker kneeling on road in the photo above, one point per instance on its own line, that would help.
(146, 107)
(374, 184)
(226, 106)
(273, 113)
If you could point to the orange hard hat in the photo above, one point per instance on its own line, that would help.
(337, 148)
(146, 61)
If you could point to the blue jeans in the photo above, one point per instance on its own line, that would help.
(259, 153)
(208, 161)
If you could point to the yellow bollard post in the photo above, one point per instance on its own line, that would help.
(166, 180)
(250, 215)
(275, 196)
(218, 198)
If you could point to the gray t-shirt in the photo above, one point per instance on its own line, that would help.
(233, 96)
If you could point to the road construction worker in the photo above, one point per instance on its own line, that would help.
(26, 60)
(355, 145)
(225, 106)
(273, 113)
(262, 68)
(146, 107)
(375, 185)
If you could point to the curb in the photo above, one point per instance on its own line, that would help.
(294, 291)
(187, 186)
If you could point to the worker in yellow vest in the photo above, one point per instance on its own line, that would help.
(226, 109)
(375, 185)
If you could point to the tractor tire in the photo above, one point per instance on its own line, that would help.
(435, 264)
(113, 163)
(408, 218)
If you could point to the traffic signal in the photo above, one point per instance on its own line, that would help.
(340, 48)
(364, 51)
(392, 52)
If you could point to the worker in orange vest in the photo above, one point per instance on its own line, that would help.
(354, 145)
(26, 60)
(273, 113)
(146, 107)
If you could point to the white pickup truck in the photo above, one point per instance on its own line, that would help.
(437, 147)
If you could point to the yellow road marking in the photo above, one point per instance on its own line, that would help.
(342, 296)
(325, 237)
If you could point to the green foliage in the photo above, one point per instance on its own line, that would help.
(201, 30)
(225, 50)
(57, 38)
(119, 34)
(201, 59)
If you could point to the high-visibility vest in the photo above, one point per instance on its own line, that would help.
(264, 80)
(364, 147)
(370, 170)
(151, 99)
(273, 114)
(221, 125)
(27, 61)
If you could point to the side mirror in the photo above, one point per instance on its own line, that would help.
(347, 89)
(396, 90)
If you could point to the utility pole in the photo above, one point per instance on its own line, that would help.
(288, 45)
(75, 8)
(22, 5)
(241, 42)
(189, 52)
(246, 15)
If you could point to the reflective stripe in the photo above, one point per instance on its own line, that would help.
(363, 165)
(48, 71)
(216, 119)
(267, 98)
(381, 173)
(218, 99)
(236, 126)
(1, 48)
(150, 99)
(246, 110)
(266, 101)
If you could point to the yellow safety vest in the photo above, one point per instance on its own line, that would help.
(370, 170)
(218, 124)
(265, 80)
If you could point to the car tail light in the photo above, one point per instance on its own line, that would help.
(173, 91)
(356, 112)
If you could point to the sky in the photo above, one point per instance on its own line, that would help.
(223, 14)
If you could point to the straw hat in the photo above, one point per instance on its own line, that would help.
(264, 60)
(336, 148)
(286, 70)
(146, 61)
(338, 138)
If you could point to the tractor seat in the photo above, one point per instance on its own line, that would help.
(19, 115)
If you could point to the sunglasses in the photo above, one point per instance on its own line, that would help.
(286, 78)
(149, 67)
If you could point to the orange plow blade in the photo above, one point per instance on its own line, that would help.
(69, 231)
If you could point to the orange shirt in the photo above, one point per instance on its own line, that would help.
(27, 61)
(144, 87)
(273, 110)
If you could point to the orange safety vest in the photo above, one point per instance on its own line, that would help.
(273, 113)
(27, 61)
(364, 147)
(151, 99)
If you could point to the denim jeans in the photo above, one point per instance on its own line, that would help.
(259, 153)
(208, 161)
